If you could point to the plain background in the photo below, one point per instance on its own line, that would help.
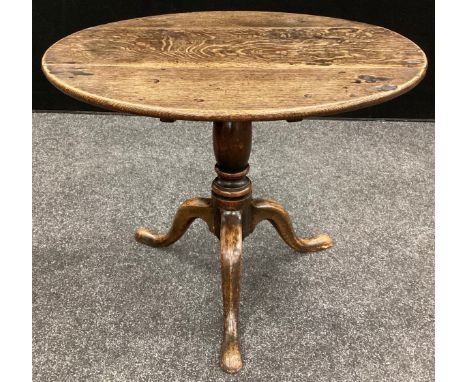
(55, 19)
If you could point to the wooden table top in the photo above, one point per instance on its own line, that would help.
(234, 65)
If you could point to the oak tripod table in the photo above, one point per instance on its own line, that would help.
(232, 68)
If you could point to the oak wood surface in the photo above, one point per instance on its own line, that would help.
(234, 66)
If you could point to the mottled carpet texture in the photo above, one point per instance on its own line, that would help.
(106, 308)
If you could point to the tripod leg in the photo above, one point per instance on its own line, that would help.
(231, 265)
(189, 210)
(267, 209)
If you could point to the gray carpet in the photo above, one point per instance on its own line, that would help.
(106, 308)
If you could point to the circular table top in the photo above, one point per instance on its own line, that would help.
(234, 65)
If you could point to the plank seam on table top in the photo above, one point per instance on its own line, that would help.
(236, 65)
(280, 111)
(233, 114)
(264, 114)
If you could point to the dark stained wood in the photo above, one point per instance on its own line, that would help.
(232, 142)
(267, 209)
(231, 266)
(190, 210)
(231, 215)
(234, 66)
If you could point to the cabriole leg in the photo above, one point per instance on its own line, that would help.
(189, 210)
(231, 266)
(267, 209)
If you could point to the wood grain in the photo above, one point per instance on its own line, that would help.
(231, 266)
(191, 209)
(234, 66)
(232, 215)
(271, 210)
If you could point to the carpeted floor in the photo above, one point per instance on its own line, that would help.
(106, 308)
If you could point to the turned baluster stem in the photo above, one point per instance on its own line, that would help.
(232, 189)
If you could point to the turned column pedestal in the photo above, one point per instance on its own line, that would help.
(232, 214)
